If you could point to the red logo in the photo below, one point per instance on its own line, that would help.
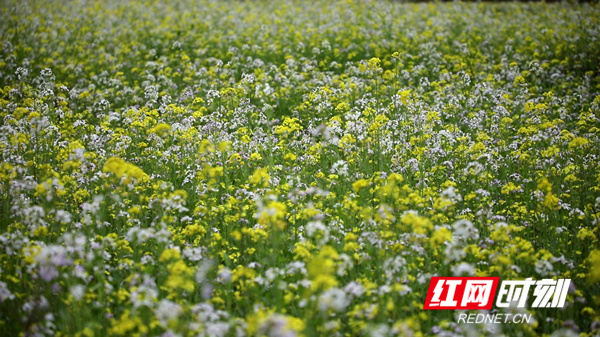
(461, 293)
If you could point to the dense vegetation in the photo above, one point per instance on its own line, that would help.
(185, 168)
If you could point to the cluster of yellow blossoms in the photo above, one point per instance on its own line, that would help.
(210, 168)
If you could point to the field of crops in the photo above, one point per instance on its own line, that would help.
(208, 168)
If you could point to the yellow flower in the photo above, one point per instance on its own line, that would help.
(419, 224)
(170, 254)
(160, 129)
(256, 156)
(206, 147)
(242, 272)
(290, 157)
(180, 276)
(578, 142)
(215, 172)
(585, 233)
(135, 210)
(441, 235)
(126, 324)
(193, 230)
(321, 269)
(360, 183)
(594, 266)
(346, 140)
(260, 176)
(224, 146)
(551, 201)
(342, 107)
(404, 95)
(510, 188)
(123, 169)
(519, 80)
(288, 126)
(302, 250)
(374, 63)
(274, 213)
(544, 185)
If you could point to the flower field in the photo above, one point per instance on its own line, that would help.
(245, 168)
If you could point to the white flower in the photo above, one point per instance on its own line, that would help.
(464, 230)
(463, 269)
(63, 217)
(5, 293)
(334, 299)
(78, 291)
(355, 289)
(276, 326)
(315, 226)
(167, 311)
(218, 329)
(544, 268)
